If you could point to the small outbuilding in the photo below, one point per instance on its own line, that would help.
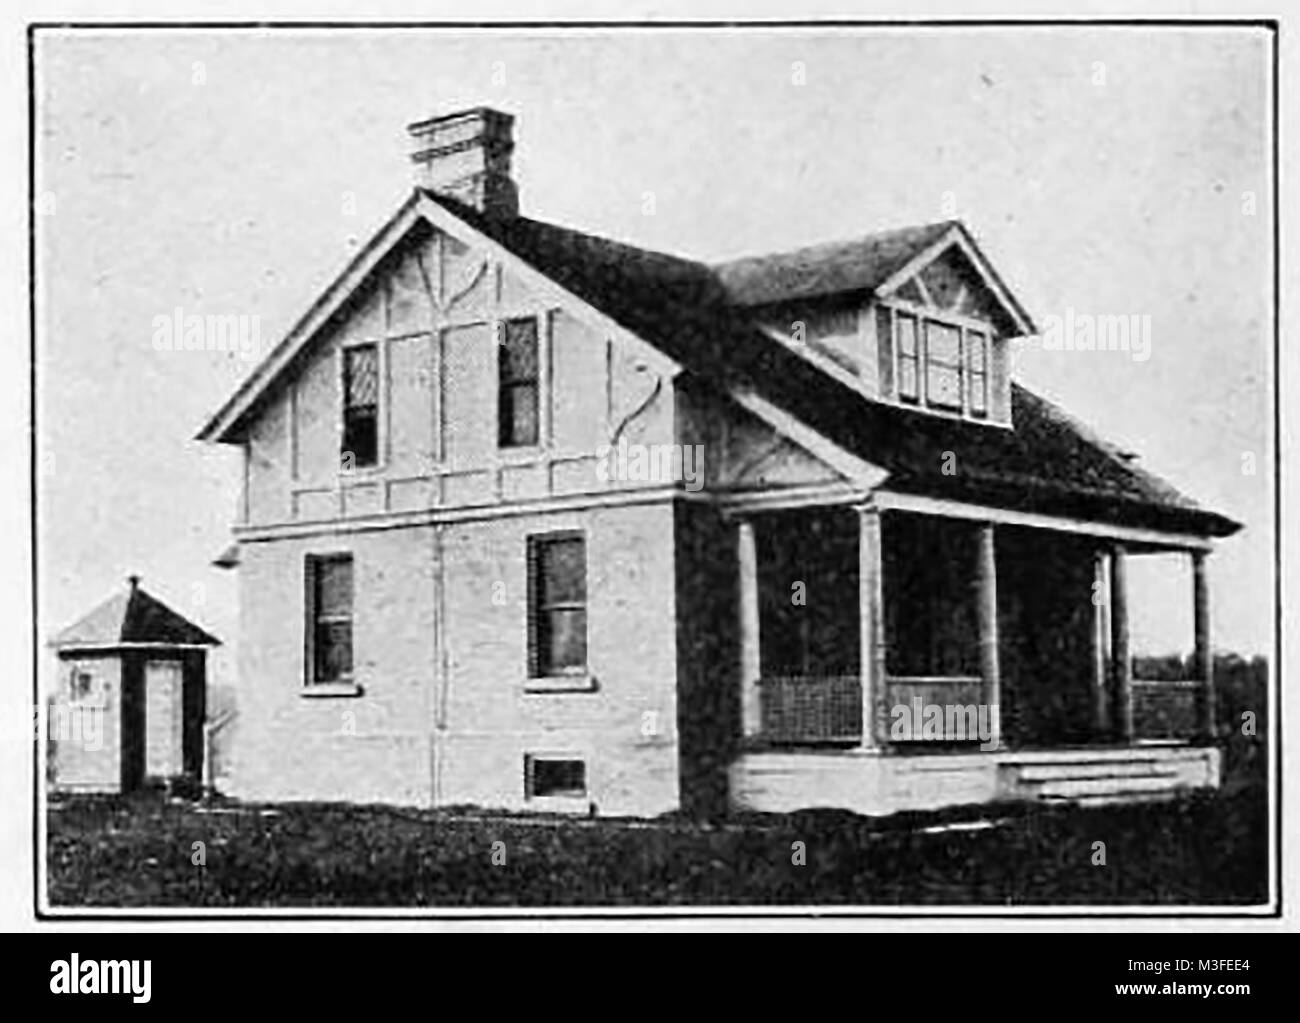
(129, 701)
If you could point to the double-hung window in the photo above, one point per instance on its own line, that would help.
(329, 619)
(557, 595)
(360, 405)
(517, 383)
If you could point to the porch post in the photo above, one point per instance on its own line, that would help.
(1121, 662)
(1100, 703)
(1204, 659)
(751, 710)
(987, 572)
(871, 623)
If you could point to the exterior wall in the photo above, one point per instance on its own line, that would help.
(374, 747)
(433, 309)
(441, 658)
(85, 738)
(625, 728)
(708, 712)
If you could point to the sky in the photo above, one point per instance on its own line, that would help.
(1103, 171)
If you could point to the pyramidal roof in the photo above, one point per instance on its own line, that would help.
(131, 618)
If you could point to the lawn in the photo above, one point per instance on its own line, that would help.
(1206, 849)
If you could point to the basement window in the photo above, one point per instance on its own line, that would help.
(554, 777)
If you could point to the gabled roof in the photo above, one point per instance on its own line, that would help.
(699, 316)
(129, 619)
(873, 263)
(859, 264)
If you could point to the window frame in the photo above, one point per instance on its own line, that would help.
(381, 374)
(539, 321)
(915, 357)
(901, 311)
(313, 684)
(561, 796)
(542, 676)
(89, 696)
(982, 374)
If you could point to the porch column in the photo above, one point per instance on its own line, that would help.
(1100, 681)
(1204, 666)
(1121, 666)
(871, 623)
(751, 710)
(987, 605)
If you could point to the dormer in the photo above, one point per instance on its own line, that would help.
(915, 317)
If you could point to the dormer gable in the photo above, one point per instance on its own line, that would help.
(915, 316)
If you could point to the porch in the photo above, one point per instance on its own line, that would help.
(895, 659)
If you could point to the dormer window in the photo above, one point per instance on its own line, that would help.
(940, 363)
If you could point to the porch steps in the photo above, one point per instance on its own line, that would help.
(1090, 782)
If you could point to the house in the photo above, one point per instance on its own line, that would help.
(537, 520)
(129, 698)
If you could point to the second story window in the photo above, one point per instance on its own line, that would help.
(941, 365)
(977, 373)
(909, 359)
(360, 406)
(517, 383)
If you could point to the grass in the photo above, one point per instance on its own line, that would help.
(1206, 849)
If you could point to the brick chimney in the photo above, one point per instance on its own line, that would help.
(466, 156)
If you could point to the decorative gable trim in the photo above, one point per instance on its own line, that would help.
(856, 470)
(222, 426)
(958, 237)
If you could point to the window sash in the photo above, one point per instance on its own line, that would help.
(361, 392)
(361, 376)
(330, 593)
(941, 364)
(977, 367)
(557, 601)
(555, 777)
(518, 382)
(909, 362)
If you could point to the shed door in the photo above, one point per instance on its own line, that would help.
(162, 719)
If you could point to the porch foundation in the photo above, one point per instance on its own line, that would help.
(858, 781)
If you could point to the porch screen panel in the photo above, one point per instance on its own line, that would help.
(930, 598)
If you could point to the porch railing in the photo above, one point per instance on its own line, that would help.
(811, 709)
(953, 691)
(1164, 709)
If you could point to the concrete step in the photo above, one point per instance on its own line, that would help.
(1086, 787)
(1125, 799)
(1093, 769)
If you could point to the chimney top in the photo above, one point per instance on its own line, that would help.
(465, 156)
